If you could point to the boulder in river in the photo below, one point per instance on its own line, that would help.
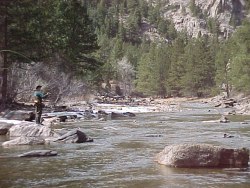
(20, 115)
(30, 129)
(74, 136)
(24, 141)
(115, 115)
(4, 127)
(39, 153)
(202, 155)
(224, 119)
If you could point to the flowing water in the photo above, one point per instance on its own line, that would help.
(122, 154)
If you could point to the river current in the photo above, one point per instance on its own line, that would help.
(123, 151)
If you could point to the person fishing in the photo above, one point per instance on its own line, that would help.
(39, 96)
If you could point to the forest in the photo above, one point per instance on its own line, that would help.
(72, 45)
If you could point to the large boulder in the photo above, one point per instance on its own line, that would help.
(30, 129)
(202, 155)
(20, 115)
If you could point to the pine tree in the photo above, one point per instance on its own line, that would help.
(240, 62)
(177, 68)
(41, 30)
(199, 77)
(153, 71)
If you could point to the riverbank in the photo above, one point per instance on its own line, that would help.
(239, 104)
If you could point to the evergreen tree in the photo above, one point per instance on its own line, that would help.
(132, 5)
(153, 71)
(41, 30)
(222, 64)
(199, 77)
(177, 68)
(240, 63)
(154, 14)
(133, 27)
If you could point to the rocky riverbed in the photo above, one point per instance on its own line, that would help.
(123, 151)
(18, 122)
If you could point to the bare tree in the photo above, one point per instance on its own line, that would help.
(126, 72)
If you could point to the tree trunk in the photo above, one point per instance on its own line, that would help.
(3, 59)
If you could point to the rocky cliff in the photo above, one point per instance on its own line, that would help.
(226, 13)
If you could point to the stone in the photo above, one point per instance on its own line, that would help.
(4, 127)
(115, 115)
(20, 115)
(224, 119)
(39, 153)
(74, 136)
(24, 141)
(30, 129)
(202, 155)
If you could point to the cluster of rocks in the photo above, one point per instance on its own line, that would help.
(238, 105)
(20, 128)
(182, 155)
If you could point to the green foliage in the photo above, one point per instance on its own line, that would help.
(213, 26)
(84, 33)
(247, 5)
(199, 68)
(153, 71)
(177, 68)
(222, 63)
(154, 14)
(240, 61)
(195, 9)
(241, 72)
(43, 29)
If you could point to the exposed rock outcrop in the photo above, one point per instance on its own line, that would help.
(223, 11)
(203, 155)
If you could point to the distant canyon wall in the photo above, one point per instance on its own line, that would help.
(227, 13)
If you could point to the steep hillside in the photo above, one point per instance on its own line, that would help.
(205, 16)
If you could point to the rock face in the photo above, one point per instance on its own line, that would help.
(224, 11)
(203, 155)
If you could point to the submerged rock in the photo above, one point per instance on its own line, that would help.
(115, 115)
(224, 119)
(202, 155)
(24, 141)
(39, 153)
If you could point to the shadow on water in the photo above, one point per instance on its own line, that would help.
(122, 154)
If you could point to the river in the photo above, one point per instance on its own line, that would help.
(122, 154)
